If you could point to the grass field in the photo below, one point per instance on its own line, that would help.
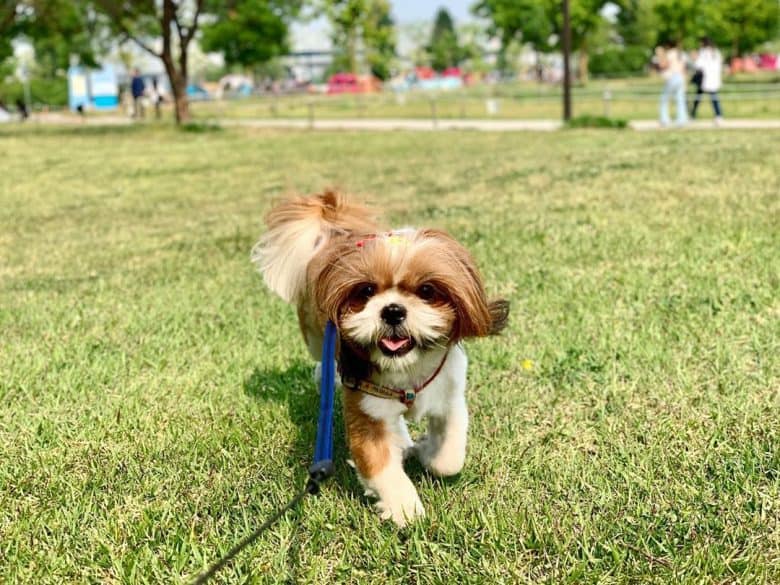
(157, 402)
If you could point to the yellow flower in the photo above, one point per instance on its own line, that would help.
(527, 365)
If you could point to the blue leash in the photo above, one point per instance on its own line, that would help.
(322, 465)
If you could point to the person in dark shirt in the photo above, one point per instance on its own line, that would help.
(21, 107)
(137, 88)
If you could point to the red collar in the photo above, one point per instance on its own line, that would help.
(406, 397)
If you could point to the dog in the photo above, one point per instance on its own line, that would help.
(402, 301)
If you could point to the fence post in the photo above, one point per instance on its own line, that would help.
(607, 98)
(434, 118)
(310, 106)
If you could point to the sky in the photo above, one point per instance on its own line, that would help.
(315, 36)
(417, 10)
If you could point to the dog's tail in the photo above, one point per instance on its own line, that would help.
(297, 230)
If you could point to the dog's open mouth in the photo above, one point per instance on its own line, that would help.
(396, 346)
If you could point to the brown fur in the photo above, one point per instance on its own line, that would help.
(434, 257)
(331, 207)
(367, 437)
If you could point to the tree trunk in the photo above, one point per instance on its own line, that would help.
(582, 65)
(181, 102)
(352, 51)
(177, 77)
(178, 83)
(539, 68)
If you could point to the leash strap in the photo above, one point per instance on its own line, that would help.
(322, 466)
(204, 577)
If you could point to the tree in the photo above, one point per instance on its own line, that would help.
(678, 21)
(443, 49)
(362, 24)
(7, 27)
(537, 22)
(522, 21)
(741, 25)
(345, 17)
(59, 30)
(248, 33)
(637, 23)
(379, 38)
(586, 25)
(176, 23)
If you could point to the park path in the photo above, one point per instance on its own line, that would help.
(413, 124)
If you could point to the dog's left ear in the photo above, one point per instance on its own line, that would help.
(499, 315)
(476, 316)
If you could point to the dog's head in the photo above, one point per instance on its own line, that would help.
(397, 295)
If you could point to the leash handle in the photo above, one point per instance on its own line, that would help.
(322, 466)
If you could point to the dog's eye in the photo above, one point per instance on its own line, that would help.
(426, 291)
(366, 291)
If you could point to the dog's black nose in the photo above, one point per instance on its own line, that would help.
(393, 314)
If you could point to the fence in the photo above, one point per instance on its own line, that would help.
(751, 100)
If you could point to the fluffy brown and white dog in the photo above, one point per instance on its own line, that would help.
(402, 302)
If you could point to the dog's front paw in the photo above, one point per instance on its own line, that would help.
(401, 510)
(440, 459)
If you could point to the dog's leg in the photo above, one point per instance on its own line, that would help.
(377, 448)
(443, 451)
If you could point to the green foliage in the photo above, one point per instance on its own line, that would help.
(200, 127)
(586, 20)
(8, 26)
(619, 61)
(248, 32)
(60, 29)
(44, 91)
(597, 122)
(57, 29)
(366, 22)
(526, 21)
(379, 38)
(537, 22)
(443, 49)
(678, 21)
(637, 23)
(739, 26)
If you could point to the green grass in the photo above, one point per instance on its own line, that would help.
(157, 402)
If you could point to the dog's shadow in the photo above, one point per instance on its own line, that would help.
(296, 388)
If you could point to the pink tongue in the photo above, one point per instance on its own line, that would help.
(394, 344)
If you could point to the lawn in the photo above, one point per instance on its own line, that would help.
(158, 404)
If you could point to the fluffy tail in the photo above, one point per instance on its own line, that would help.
(297, 230)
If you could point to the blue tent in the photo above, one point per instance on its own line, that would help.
(93, 89)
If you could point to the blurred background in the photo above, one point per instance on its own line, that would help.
(371, 58)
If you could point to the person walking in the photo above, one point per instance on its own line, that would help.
(156, 98)
(709, 62)
(137, 88)
(671, 62)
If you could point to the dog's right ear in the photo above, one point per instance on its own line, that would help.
(499, 315)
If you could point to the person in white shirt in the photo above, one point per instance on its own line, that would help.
(710, 63)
